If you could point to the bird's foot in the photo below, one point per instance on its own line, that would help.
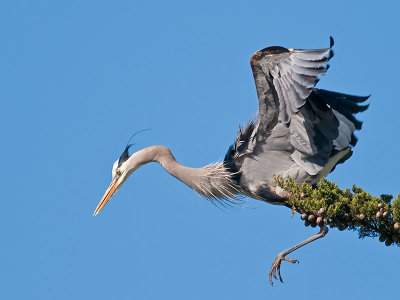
(276, 266)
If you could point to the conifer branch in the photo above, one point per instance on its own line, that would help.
(355, 209)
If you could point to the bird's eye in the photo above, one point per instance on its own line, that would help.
(118, 172)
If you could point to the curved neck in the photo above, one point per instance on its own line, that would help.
(164, 157)
(212, 181)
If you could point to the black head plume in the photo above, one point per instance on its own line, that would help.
(125, 155)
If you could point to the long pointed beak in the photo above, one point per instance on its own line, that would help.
(107, 196)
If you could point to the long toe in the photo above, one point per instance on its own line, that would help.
(276, 268)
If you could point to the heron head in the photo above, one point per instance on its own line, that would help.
(121, 170)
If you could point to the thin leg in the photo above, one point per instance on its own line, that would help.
(276, 265)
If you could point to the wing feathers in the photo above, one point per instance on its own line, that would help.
(292, 75)
(304, 80)
(312, 63)
(311, 54)
(315, 72)
(299, 127)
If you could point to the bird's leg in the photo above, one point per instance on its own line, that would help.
(276, 265)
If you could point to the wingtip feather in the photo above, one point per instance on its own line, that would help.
(331, 42)
(331, 54)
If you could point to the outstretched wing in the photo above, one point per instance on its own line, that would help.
(301, 131)
(291, 119)
(285, 78)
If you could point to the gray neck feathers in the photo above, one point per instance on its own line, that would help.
(212, 181)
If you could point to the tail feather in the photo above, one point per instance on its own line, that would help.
(344, 107)
(347, 105)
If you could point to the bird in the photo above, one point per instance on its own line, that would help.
(299, 131)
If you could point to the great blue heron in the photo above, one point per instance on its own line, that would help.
(301, 131)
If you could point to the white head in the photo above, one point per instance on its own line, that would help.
(121, 170)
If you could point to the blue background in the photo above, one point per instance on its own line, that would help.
(77, 78)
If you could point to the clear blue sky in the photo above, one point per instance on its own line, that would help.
(77, 78)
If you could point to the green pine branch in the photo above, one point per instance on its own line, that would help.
(353, 209)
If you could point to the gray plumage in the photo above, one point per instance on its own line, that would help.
(300, 131)
(299, 127)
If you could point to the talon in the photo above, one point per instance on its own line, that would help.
(276, 266)
(279, 273)
(290, 260)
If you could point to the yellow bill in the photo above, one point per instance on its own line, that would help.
(107, 196)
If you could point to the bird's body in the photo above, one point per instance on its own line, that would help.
(301, 132)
